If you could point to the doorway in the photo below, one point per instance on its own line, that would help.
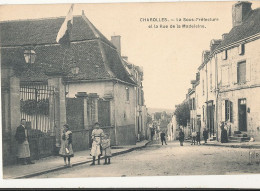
(210, 118)
(242, 118)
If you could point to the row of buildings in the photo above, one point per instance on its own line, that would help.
(50, 85)
(227, 84)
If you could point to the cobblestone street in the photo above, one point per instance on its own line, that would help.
(168, 160)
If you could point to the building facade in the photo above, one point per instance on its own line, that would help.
(229, 78)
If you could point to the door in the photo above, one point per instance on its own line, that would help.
(210, 122)
(242, 119)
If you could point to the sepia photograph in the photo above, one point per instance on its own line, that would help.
(133, 89)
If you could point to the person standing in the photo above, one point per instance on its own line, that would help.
(96, 136)
(193, 135)
(181, 137)
(205, 135)
(163, 139)
(224, 136)
(198, 138)
(66, 150)
(23, 149)
(106, 149)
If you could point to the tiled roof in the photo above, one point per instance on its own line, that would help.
(249, 27)
(85, 51)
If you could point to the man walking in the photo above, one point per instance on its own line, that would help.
(163, 138)
(181, 137)
(205, 135)
(23, 149)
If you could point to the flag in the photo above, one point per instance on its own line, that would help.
(63, 36)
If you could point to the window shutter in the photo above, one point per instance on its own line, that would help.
(231, 111)
(234, 72)
(223, 110)
(248, 70)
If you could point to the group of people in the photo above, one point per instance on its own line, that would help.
(195, 137)
(100, 145)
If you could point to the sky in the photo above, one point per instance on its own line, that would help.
(169, 56)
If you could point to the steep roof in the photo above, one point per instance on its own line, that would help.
(249, 27)
(90, 51)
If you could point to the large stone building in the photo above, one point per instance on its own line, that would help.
(229, 78)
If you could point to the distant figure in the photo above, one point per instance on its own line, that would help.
(66, 145)
(198, 138)
(205, 135)
(163, 138)
(224, 135)
(23, 150)
(106, 149)
(181, 137)
(193, 135)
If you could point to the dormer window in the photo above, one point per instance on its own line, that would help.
(241, 49)
(29, 56)
(75, 70)
(224, 55)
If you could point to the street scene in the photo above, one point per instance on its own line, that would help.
(88, 93)
(170, 160)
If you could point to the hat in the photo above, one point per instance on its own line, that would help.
(96, 123)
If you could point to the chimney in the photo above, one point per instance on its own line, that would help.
(116, 41)
(213, 44)
(205, 55)
(224, 36)
(240, 11)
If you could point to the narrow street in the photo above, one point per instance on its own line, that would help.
(167, 160)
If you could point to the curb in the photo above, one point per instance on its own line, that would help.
(75, 164)
(235, 146)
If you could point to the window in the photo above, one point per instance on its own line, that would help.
(127, 94)
(228, 111)
(224, 55)
(225, 75)
(241, 72)
(241, 49)
(193, 104)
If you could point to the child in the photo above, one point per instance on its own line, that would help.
(66, 145)
(106, 149)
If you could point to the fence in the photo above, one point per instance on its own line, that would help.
(37, 106)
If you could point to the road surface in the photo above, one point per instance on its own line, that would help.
(167, 160)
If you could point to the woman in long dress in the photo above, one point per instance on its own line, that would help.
(96, 136)
(66, 150)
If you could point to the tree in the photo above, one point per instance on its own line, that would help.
(182, 113)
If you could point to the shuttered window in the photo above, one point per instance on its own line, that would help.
(241, 72)
(228, 110)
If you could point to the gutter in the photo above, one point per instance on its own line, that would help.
(101, 80)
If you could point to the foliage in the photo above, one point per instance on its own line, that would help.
(31, 107)
(182, 113)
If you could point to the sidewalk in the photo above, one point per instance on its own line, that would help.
(249, 145)
(55, 163)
